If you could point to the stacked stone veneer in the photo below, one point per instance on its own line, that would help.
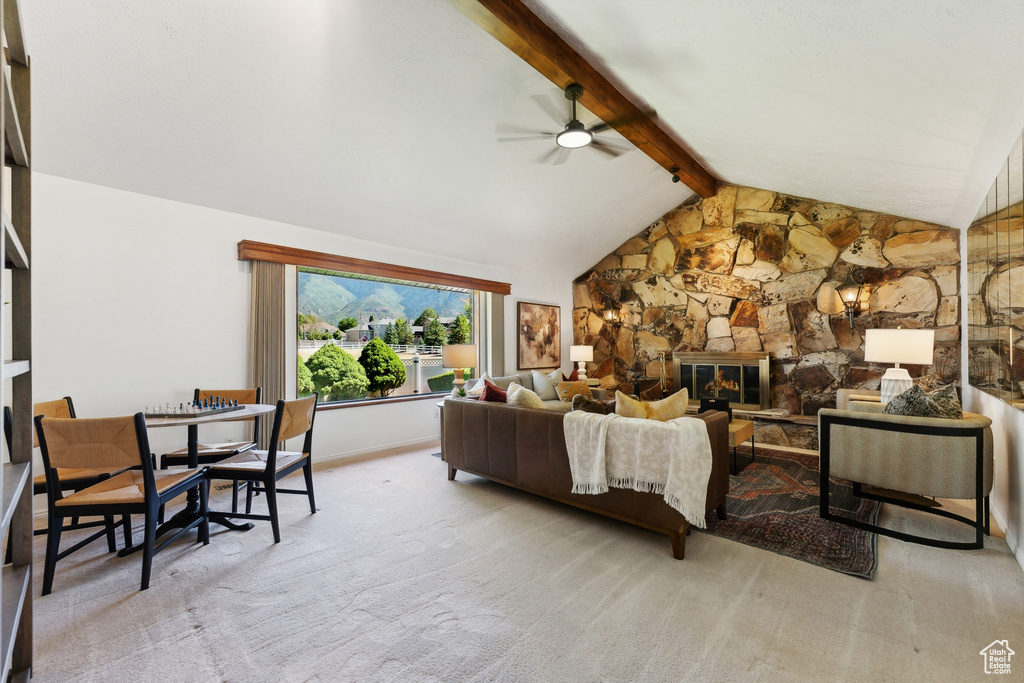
(752, 270)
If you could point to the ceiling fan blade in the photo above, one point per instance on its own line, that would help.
(608, 148)
(549, 155)
(545, 103)
(545, 136)
(561, 156)
(517, 130)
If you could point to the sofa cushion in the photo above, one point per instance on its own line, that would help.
(493, 393)
(666, 409)
(558, 406)
(503, 382)
(521, 396)
(568, 390)
(574, 376)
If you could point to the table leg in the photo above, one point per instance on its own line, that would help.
(185, 517)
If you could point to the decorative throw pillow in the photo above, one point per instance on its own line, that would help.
(566, 390)
(519, 395)
(912, 402)
(948, 402)
(493, 393)
(629, 407)
(544, 387)
(574, 376)
(589, 405)
(666, 409)
(915, 402)
(475, 387)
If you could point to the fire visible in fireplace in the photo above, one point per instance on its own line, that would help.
(739, 377)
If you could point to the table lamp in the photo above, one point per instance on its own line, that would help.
(459, 357)
(898, 346)
(581, 354)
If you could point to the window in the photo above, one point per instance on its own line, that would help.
(400, 325)
(336, 295)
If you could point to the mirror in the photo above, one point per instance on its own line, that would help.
(995, 286)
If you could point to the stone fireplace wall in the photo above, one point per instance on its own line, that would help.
(752, 270)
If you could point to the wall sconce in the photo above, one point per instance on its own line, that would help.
(849, 293)
(611, 314)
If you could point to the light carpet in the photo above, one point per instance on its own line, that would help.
(405, 576)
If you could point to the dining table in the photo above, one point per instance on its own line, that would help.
(192, 421)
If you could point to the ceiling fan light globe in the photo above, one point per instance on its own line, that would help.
(574, 138)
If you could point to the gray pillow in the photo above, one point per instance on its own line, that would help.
(544, 387)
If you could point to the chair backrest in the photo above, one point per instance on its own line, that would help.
(62, 407)
(91, 442)
(243, 396)
(297, 417)
(291, 419)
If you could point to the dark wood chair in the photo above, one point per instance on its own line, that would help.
(215, 452)
(114, 443)
(263, 469)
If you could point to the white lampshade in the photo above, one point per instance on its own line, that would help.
(584, 353)
(458, 355)
(914, 347)
(898, 346)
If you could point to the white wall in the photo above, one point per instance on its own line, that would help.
(138, 300)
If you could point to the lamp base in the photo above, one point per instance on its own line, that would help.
(581, 370)
(894, 382)
(459, 383)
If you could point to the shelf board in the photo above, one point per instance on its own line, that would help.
(13, 368)
(15, 476)
(16, 256)
(15, 140)
(15, 36)
(16, 581)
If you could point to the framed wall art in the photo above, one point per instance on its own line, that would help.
(539, 336)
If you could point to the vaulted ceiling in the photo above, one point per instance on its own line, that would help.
(376, 119)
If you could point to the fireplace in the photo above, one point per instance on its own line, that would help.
(741, 378)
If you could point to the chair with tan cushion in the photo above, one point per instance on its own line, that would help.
(921, 456)
(215, 452)
(115, 443)
(71, 479)
(263, 469)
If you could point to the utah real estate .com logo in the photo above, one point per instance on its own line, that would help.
(997, 657)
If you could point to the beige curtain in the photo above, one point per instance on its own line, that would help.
(267, 335)
(490, 329)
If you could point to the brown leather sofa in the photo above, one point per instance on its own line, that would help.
(525, 448)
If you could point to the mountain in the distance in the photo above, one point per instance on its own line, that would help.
(333, 298)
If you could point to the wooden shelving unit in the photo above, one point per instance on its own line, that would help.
(16, 248)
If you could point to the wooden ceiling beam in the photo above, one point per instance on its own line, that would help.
(536, 43)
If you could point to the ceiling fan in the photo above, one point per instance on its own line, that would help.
(573, 136)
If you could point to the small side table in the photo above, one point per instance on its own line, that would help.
(739, 432)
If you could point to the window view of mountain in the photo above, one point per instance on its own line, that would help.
(332, 298)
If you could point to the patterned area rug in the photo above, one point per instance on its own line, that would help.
(773, 504)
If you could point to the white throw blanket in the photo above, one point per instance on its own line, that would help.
(671, 458)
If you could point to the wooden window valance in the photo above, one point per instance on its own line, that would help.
(261, 251)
